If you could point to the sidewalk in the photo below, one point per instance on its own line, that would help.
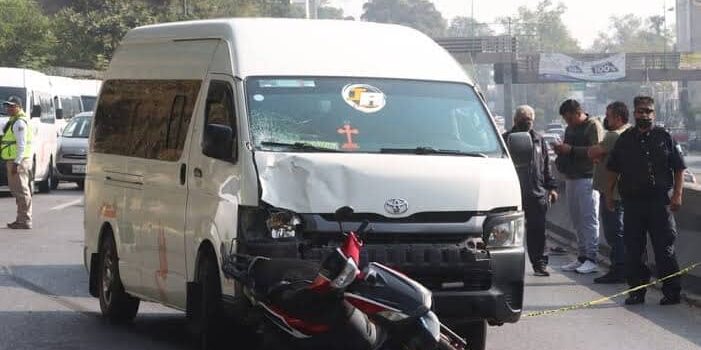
(559, 237)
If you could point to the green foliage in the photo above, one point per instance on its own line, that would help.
(89, 32)
(468, 27)
(418, 14)
(629, 33)
(25, 37)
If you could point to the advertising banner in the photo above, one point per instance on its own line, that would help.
(560, 67)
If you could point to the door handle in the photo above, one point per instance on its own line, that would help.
(183, 173)
(197, 172)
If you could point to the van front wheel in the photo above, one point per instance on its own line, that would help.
(116, 305)
(205, 321)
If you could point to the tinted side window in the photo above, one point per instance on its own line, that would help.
(144, 118)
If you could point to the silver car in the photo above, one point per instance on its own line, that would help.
(73, 149)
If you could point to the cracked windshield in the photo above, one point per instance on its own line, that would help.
(367, 115)
(350, 174)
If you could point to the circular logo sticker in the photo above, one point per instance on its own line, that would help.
(363, 97)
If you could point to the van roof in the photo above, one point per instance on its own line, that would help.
(23, 78)
(299, 47)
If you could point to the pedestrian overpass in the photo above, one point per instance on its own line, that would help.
(514, 67)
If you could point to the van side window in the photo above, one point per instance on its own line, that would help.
(220, 105)
(144, 118)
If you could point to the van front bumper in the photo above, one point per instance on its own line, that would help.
(468, 284)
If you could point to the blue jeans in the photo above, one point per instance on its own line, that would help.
(612, 222)
(583, 203)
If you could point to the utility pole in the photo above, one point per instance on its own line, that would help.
(472, 15)
(185, 8)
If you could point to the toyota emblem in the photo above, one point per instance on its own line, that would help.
(396, 206)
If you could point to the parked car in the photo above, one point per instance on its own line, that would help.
(72, 152)
(555, 128)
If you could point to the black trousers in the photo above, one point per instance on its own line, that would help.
(653, 217)
(535, 209)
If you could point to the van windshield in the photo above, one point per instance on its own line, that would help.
(305, 114)
(6, 92)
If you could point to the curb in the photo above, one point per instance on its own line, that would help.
(692, 299)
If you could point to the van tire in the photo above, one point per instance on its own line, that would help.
(205, 321)
(116, 305)
(475, 334)
(54, 179)
(46, 185)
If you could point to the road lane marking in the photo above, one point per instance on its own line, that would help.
(69, 204)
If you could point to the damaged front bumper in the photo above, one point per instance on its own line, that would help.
(442, 251)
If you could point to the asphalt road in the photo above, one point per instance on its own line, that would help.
(44, 302)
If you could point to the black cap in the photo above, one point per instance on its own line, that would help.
(13, 101)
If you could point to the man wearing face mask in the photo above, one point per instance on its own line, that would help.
(647, 164)
(538, 189)
(616, 123)
(582, 200)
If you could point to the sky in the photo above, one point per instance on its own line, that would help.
(584, 18)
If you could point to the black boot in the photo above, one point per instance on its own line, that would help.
(635, 298)
(670, 300)
(610, 277)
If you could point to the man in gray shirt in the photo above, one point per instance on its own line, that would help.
(616, 122)
(573, 162)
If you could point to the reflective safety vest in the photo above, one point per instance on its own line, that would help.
(9, 142)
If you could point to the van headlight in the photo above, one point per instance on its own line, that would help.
(504, 230)
(283, 224)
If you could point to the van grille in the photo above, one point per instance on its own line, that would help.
(424, 217)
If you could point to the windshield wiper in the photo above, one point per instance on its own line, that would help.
(299, 146)
(431, 150)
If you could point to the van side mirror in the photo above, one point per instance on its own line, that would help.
(219, 142)
(36, 112)
(521, 148)
(59, 113)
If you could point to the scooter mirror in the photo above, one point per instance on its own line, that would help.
(344, 213)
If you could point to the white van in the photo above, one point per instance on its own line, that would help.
(66, 95)
(34, 88)
(247, 134)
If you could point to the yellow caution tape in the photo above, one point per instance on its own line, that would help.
(601, 300)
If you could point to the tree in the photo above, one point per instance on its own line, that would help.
(468, 27)
(89, 33)
(541, 29)
(25, 36)
(629, 33)
(418, 14)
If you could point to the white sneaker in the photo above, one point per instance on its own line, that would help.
(587, 267)
(571, 266)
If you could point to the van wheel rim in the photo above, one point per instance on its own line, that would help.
(107, 277)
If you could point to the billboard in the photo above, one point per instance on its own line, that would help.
(564, 68)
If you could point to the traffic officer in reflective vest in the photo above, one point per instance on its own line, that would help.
(17, 153)
(648, 166)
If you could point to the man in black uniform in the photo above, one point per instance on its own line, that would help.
(647, 164)
(538, 189)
